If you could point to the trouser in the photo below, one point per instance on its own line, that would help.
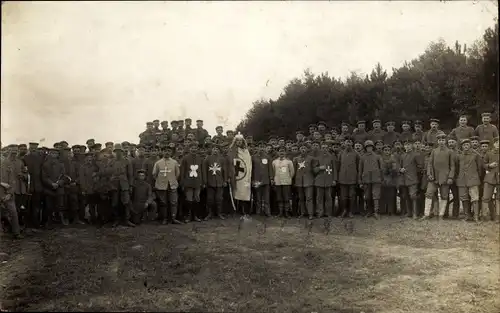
(120, 204)
(337, 203)
(295, 202)
(75, 203)
(22, 205)
(167, 203)
(283, 196)
(443, 194)
(227, 206)
(54, 203)
(306, 200)
(360, 201)
(348, 196)
(91, 200)
(35, 208)
(453, 205)
(203, 206)
(388, 200)
(104, 209)
(9, 211)
(138, 217)
(261, 198)
(214, 200)
(323, 201)
(489, 191)
(409, 199)
(192, 203)
(372, 192)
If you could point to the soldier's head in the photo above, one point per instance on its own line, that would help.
(335, 146)
(219, 130)
(358, 146)
(316, 135)
(199, 123)
(33, 146)
(190, 137)
(89, 157)
(417, 125)
(54, 153)
(208, 140)
(486, 118)
(348, 143)
(312, 128)
(345, 127)
(181, 123)
(188, 122)
(141, 151)
(76, 150)
(417, 145)
(474, 141)
(174, 124)
(141, 174)
(321, 126)
(387, 150)
(405, 126)
(13, 150)
(156, 124)
(434, 123)
(149, 125)
(281, 142)
(303, 150)
(315, 146)
(269, 148)
(168, 152)
(281, 152)
(390, 126)
(408, 146)
(215, 150)
(288, 144)
(369, 146)
(294, 149)
(328, 137)
(462, 120)
(495, 143)
(164, 125)
(484, 145)
(299, 135)
(193, 148)
(398, 145)
(379, 145)
(452, 143)
(273, 141)
(118, 151)
(441, 139)
(230, 134)
(361, 125)
(466, 145)
(109, 145)
(376, 124)
(90, 143)
(180, 149)
(23, 149)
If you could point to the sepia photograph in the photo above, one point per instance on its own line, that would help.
(250, 156)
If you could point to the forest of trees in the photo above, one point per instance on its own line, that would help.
(443, 82)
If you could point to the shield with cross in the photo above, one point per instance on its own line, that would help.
(240, 169)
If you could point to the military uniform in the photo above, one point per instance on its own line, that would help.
(491, 184)
(469, 180)
(215, 177)
(389, 185)
(121, 183)
(262, 176)
(325, 178)
(52, 174)
(348, 179)
(409, 168)
(390, 136)
(370, 176)
(486, 131)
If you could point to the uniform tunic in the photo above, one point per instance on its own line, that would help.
(487, 132)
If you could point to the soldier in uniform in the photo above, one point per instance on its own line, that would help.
(192, 183)
(262, 176)
(300, 138)
(408, 168)
(140, 163)
(361, 135)
(304, 181)
(486, 130)
(219, 138)
(230, 136)
(469, 179)
(200, 132)
(431, 135)
(474, 141)
(181, 130)
(282, 174)
(463, 131)
(452, 145)
(491, 184)
(325, 171)
(370, 176)
(34, 161)
(322, 128)
(348, 177)
(215, 178)
(345, 131)
(142, 199)
(109, 145)
(406, 134)
(390, 136)
(148, 137)
(440, 175)
(187, 125)
(8, 208)
(122, 184)
(389, 186)
(418, 135)
(312, 129)
(90, 143)
(52, 178)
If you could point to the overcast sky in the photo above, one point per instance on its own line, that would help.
(73, 70)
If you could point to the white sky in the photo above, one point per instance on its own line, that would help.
(75, 70)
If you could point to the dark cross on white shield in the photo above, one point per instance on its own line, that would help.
(239, 169)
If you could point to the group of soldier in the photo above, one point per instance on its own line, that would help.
(180, 174)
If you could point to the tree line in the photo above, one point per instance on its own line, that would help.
(443, 82)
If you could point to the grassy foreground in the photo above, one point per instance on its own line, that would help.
(390, 265)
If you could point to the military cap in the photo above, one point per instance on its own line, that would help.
(434, 120)
(33, 144)
(117, 146)
(64, 142)
(322, 123)
(361, 122)
(97, 146)
(125, 143)
(164, 122)
(397, 140)
(141, 171)
(281, 138)
(347, 138)
(312, 126)
(464, 141)
(218, 127)
(132, 145)
(417, 122)
(345, 124)
(89, 154)
(299, 132)
(441, 136)
(149, 123)
(109, 143)
(408, 142)
(289, 141)
(199, 121)
(376, 121)
(495, 139)
(74, 147)
(54, 150)
(90, 141)
(484, 142)
(55, 145)
(390, 123)
(335, 142)
(379, 141)
(23, 145)
(156, 121)
(174, 122)
(387, 147)
(405, 123)
(451, 138)
(12, 145)
(486, 114)
(474, 138)
(141, 147)
(369, 143)
(358, 141)
(229, 131)
(83, 148)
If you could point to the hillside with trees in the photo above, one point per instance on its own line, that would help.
(443, 82)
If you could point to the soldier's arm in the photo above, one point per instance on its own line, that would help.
(291, 169)
(495, 131)
(315, 166)
(477, 131)
(130, 173)
(177, 170)
(430, 166)
(361, 168)
(204, 170)
(453, 166)
(335, 170)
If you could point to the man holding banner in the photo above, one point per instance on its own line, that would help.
(240, 174)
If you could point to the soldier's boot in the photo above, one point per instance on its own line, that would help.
(475, 209)
(195, 207)
(497, 210)
(280, 209)
(187, 211)
(376, 209)
(209, 216)
(467, 213)
(367, 205)
(163, 221)
(409, 209)
(487, 211)
(64, 220)
(442, 208)
(427, 208)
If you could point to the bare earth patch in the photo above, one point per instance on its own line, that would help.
(391, 265)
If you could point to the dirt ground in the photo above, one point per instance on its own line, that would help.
(390, 265)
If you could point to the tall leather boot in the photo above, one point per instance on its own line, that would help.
(466, 205)
(280, 209)
(414, 207)
(487, 211)
(195, 211)
(497, 210)
(427, 208)
(366, 213)
(187, 211)
(442, 208)
(475, 209)
(376, 209)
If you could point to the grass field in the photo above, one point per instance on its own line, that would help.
(390, 265)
